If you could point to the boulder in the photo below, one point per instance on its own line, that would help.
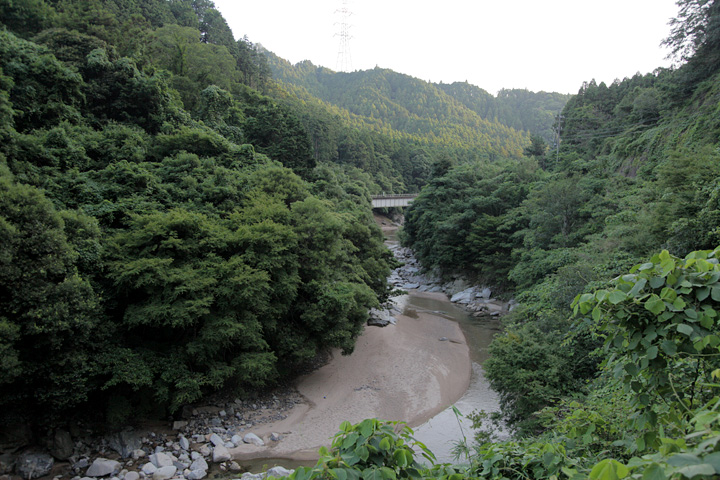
(161, 459)
(485, 293)
(132, 476)
(380, 318)
(102, 467)
(125, 442)
(199, 464)
(279, 472)
(179, 424)
(164, 473)
(463, 297)
(196, 475)
(62, 446)
(220, 454)
(148, 469)
(184, 443)
(216, 440)
(34, 465)
(254, 439)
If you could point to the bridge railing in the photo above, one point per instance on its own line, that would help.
(395, 195)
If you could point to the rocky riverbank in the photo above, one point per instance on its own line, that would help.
(182, 449)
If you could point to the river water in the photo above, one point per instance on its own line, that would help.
(441, 432)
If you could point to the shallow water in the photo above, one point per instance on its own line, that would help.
(441, 432)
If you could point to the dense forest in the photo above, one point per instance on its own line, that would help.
(183, 212)
(175, 220)
(166, 230)
(627, 385)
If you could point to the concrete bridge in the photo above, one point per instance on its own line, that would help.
(397, 200)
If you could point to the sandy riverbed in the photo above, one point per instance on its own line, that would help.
(401, 372)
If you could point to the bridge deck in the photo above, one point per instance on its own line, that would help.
(397, 200)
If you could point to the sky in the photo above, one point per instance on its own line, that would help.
(541, 45)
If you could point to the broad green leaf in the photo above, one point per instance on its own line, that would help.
(385, 444)
(609, 469)
(350, 440)
(669, 347)
(639, 285)
(683, 459)
(616, 296)
(654, 472)
(366, 428)
(685, 329)
(371, 474)
(691, 313)
(362, 452)
(714, 460)
(702, 293)
(340, 473)
(715, 293)
(655, 305)
(388, 473)
(652, 352)
(657, 282)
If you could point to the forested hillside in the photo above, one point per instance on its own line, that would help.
(469, 122)
(633, 373)
(166, 230)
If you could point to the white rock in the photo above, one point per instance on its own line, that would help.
(236, 439)
(149, 469)
(220, 454)
(205, 451)
(103, 466)
(132, 476)
(164, 473)
(216, 440)
(178, 424)
(279, 472)
(161, 459)
(139, 453)
(199, 464)
(195, 455)
(196, 475)
(254, 439)
(184, 443)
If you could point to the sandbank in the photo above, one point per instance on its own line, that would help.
(402, 372)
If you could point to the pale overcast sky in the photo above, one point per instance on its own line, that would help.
(550, 45)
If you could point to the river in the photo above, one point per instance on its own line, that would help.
(441, 432)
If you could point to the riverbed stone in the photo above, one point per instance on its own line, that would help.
(184, 443)
(102, 467)
(216, 440)
(279, 472)
(34, 465)
(161, 459)
(132, 476)
(62, 446)
(125, 442)
(254, 439)
(220, 454)
(199, 464)
(164, 473)
(196, 475)
(148, 469)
